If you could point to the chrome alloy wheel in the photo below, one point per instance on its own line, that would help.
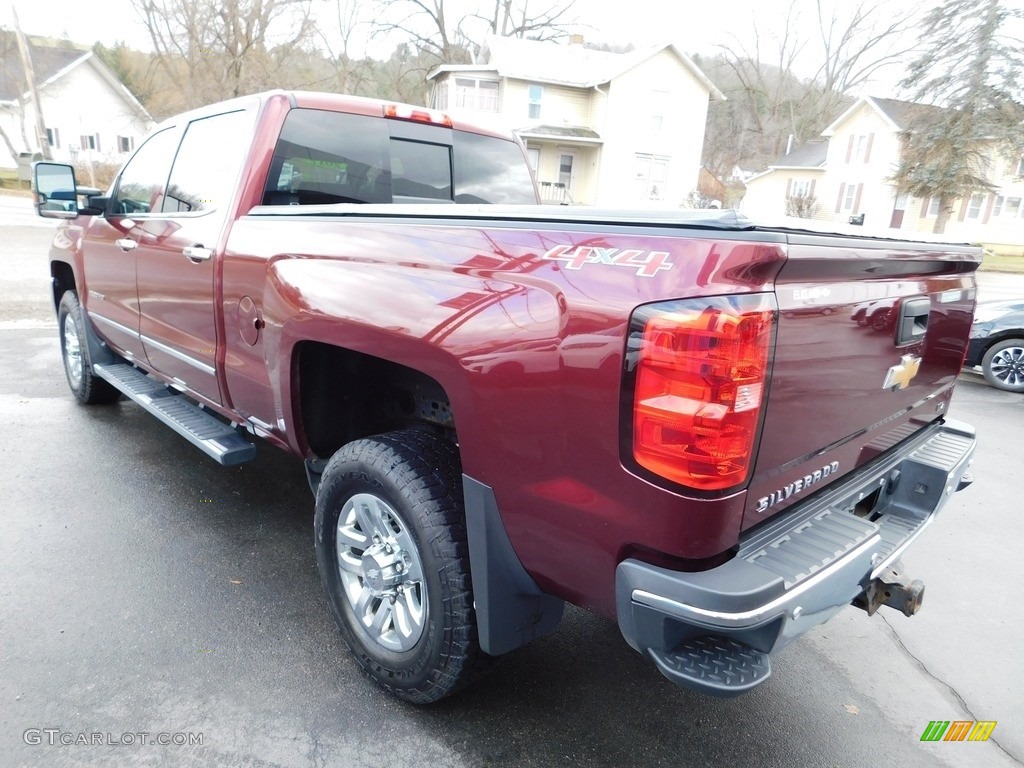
(1008, 366)
(72, 352)
(381, 572)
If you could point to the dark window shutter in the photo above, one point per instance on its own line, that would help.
(924, 207)
(97, 142)
(839, 200)
(867, 149)
(789, 187)
(988, 208)
(849, 148)
(964, 205)
(810, 191)
(856, 199)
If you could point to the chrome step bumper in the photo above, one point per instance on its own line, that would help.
(800, 568)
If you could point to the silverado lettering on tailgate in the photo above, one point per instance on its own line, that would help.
(798, 485)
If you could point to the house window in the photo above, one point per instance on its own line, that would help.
(439, 96)
(535, 94)
(1020, 166)
(800, 188)
(850, 196)
(533, 155)
(651, 173)
(933, 206)
(476, 94)
(53, 137)
(860, 146)
(658, 101)
(90, 141)
(974, 206)
(1011, 209)
(125, 143)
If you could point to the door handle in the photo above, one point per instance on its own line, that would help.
(197, 253)
(913, 320)
(126, 244)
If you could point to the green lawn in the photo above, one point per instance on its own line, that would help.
(994, 262)
(9, 181)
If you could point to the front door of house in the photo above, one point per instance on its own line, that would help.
(566, 163)
(898, 210)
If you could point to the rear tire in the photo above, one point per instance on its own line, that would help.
(87, 388)
(1003, 365)
(391, 545)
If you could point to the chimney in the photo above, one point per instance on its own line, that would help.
(575, 40)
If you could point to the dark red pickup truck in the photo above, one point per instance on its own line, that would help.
(673, 419)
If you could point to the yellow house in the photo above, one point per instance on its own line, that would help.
(601, 128)
(798, 174)
(863, 153)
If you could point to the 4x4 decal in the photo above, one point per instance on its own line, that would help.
(646, 263)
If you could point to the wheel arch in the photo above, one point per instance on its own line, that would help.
(62, 276)
(344, 395)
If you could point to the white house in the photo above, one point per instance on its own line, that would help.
(601, 128)
(89, 114)
(853, 179)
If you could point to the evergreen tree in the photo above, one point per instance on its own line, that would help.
(971, 63)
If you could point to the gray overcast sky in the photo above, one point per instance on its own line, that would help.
(694, 26)
(645, 22)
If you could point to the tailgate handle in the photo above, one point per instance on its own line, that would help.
(913, 320)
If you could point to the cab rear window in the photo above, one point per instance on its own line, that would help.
(333, 157)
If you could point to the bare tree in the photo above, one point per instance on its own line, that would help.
(787, 83)
(451, 31)
(349, 73)
(802, 206)
(218, 49)
(511, 19)
(852, 46)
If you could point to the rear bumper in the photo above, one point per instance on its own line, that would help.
(712, 630)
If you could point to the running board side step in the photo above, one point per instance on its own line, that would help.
(210, 435)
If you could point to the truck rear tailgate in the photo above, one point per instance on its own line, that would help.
(870, 339)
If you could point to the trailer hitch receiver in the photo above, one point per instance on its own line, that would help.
(894, 589)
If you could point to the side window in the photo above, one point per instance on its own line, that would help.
(491, 170)
(329, 157)
(208, 161)
(141, 184)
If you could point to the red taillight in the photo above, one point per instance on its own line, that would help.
(403, 112)
(701, 372)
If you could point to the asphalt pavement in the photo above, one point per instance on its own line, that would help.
(147, 593)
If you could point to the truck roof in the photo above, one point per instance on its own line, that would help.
(333, 102)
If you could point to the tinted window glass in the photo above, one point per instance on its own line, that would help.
(491, 170)
(208, 161)
(141, 185)
(333, 157)
(329, 157)
(420, 171)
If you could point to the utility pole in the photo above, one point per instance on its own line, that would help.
(26, 63)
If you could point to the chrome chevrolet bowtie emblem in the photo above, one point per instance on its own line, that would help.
(899, 376)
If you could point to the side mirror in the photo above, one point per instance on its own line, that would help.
(56, 191)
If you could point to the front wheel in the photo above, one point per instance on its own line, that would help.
(87, 388)
(394, 561)
(1003, 365)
